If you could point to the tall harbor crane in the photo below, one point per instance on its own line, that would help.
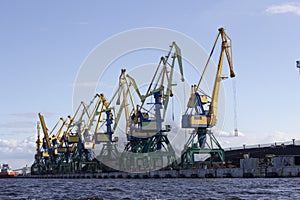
(70, 149)
(109, 154)
(47, 154)
(144, 129)
(201, 112)
(38, 166)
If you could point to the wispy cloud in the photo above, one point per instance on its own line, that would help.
(17, 152)
(32, 114)
(91, 84)
(24, 115)
(14, 146)
(277, 136)
(222, 133)
(293, 8)
(250, 140)
(17, 124)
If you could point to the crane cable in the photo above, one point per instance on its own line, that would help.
(207, 62)
(234, 107)
(298, 65)
(173, 109)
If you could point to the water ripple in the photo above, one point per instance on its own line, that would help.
(130, 189)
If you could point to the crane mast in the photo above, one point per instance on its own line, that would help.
(45, 131)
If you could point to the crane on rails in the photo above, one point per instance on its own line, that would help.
(84, 150)
(88, 129)
(148, 144)
(38, 165)
(47, 153)
(72, 146)
(109, 154)
(201, 112)
(70, 149)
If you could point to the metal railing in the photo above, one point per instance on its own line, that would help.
(292, 142)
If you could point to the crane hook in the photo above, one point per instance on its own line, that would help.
(235, 108)
(298, 65)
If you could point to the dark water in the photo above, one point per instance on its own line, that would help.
(277, 188)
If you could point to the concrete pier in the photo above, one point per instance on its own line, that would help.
(271, 172)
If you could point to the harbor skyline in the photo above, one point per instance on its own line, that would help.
(43, 47)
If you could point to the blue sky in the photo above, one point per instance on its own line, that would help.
(43, 45)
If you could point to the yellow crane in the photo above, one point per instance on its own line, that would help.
(200, 119)
(144, 123)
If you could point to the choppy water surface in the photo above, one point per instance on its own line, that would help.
(279, 188)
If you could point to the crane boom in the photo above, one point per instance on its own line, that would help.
(126, 91)
(133, 83)
(207, 118)
(226, 48)
(60, 131)
(45, 130)
(159, 78)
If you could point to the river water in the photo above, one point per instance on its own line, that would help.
(179, 188)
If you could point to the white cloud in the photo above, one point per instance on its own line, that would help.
(26, 145)
(293, 8)
(24, 115)
(91, 84)
(252, 140)
(221, 133)
(17, 153)
(32, 115)
(17, 124)
(277, 136)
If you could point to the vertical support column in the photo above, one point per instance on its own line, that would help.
(158, 119)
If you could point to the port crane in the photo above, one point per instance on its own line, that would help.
(144, 126)
(38, 165)
(76, 144)
(109, 154)
(46, 157)
(201, 112)
(70, 149)
(47, 152)
(54, 152)
(87, 126)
